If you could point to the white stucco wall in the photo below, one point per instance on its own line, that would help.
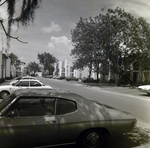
(8, 67)
(0, 64)
(60, 68)
(13, 71)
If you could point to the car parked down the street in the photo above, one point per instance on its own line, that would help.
(6, 90)
(72, 79)
(40, 117)
(144, 89)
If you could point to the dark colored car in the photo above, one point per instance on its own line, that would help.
(61, 77)
(72, 79)
(89, 80)
(51, 117)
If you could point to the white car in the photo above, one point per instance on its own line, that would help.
(145, 89)
(6, 90)
(19, 78)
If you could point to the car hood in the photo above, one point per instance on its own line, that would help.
(144, 87)
(47, 86)
(5, 87)
(14, 81)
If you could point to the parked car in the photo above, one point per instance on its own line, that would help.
(19, 78)
(72, 79)
(55, 77)
(144, 89)
(48, 76)
(6, 90)
(87, 80)
(61, 77)
(33, 117)
(90, 80)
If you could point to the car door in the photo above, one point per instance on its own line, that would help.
(35, 84)
(70, 124)
(33, 123)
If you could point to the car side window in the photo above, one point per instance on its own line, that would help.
(65, 106)
(23, 83)
(34, 107)
(34, 83)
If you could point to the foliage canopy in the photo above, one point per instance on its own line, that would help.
(47, 60)
(26, 15)
(115, 40)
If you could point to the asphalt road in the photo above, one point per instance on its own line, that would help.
(126, 99)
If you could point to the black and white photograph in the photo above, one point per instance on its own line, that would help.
(74, 73)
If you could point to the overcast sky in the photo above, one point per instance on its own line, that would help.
(54, 20)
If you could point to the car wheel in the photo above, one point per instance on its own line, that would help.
(4, 94)
(92, 139)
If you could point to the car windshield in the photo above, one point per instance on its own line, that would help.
(6, 101)
(18, 78)
(14, 83)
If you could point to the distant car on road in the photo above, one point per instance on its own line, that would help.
(6, 90)
(55, 77)
(144, 89)
(61, 77)
(40, 117)
(72, 79)
(48, 76)
(19, 78)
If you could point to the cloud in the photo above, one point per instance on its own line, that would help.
(60, 47)
(52, 28)
(61, 40)
(51, 46)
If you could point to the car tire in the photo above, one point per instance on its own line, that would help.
(91, 139)
(4, 94)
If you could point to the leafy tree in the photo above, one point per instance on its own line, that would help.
(126, 41)
(82, 39)
(101, 61)
(47, 60)
(87, 41)
(33, 67)
(115, 40)
(14, 60)
(26, 15)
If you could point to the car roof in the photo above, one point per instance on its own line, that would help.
(28, 77)
(48, 93)
(29, 80)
